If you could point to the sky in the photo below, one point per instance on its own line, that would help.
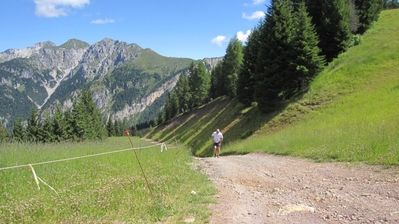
(193, 29)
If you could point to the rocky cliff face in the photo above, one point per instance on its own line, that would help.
(45, 74)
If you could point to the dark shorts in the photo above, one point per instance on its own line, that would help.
(216, 144)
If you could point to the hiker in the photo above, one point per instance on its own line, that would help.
(217, 138)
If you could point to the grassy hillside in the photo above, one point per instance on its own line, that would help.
(101, 182)
(350, 113)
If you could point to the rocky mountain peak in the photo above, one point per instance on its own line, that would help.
(125, 78)
(25, 52)
(75, 44)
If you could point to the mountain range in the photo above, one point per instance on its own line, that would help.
(127, 81)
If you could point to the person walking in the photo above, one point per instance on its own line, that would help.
(217, 138)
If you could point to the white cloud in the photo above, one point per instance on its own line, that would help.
(219, 40)
(255, 2)
(57, 8)
(255, 15)
(102, 21)
(243, 37)
(258, 2)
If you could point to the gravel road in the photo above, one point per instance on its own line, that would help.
(262, 188)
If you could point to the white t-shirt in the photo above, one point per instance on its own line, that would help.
(217, 136)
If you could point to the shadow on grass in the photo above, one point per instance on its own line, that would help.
(233, 153)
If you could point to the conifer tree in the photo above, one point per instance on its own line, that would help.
(46, 133)
(135, 132)
(18, 131)
(87, 122)
(161, 117)
(368, 11)
(78, 121)
(59, 126)
(110, 127)
(174, 104)
(124, 126)
(69, 122)
(32, 130)
(231, 66)
(246, 82)
(3, 133)
(275, 55)
(307, 62)
(199, 83)
(331, 19)
(168, 107)
(217, 87)
(183, 93)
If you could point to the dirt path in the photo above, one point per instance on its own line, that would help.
(260, 188)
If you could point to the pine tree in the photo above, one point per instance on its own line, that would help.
(69, 128)
(3, 133)
(135, 132)
(368, 10)
(331, 19)
(275, 55)
(78, 121)
(231, 66)
(124, 126)
(174, 104)
(32, 130)
(110, 127)
(87, 121)
(217, 87)
(59, 126)
(18, 131)
(46, 133)
(246, 81)
(168, 107)
(308, 62)
(119, 131)
(161, 117)
(183, 93)
(199, 83)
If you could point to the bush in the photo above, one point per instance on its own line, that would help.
(356, 40)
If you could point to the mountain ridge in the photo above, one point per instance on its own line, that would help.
(45, 75)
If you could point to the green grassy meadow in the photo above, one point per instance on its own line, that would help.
(350, 112)
(108, 187)
(357, 119)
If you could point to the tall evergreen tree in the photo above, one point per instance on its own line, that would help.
(118, 127)
(59, 126)
(307, 62)
(217, 82)
(246, 81)
(199, 83)
(69, 122)
(135, 132)
(18, 131)
(331, 19)
(231, 66)
(168, 107)
(183, 93)
(368, 11)
(88, 123)
(174, 104)
(32, 130)
(161, 117)
(46, 132)
(110, 127)
(275, 55)
(3, 133)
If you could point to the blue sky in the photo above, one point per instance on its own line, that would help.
(174, 28)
